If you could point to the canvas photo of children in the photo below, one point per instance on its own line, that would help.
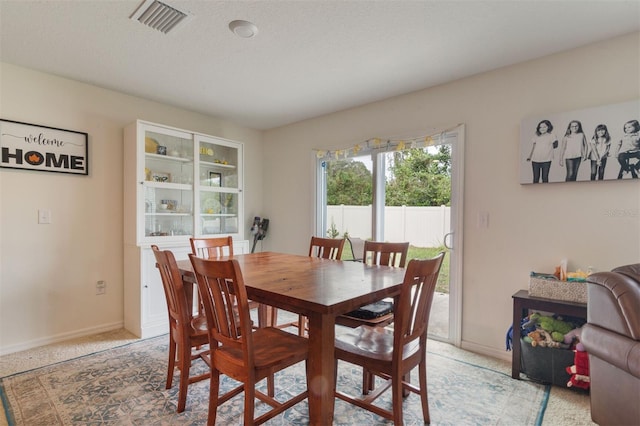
(595, 144)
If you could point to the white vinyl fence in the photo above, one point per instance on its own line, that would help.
(421, 226)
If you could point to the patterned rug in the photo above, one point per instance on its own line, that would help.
(125, 386)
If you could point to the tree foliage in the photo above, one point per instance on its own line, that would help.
(419, 178)
(348, 182)
(414, 177)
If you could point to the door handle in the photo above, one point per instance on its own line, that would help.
(447, 237)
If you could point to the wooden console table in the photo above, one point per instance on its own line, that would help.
(522, 302)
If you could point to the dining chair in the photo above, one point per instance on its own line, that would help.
(237, 350)
(356, 245)
(187, 333)
(377, 314)
(393, 354)
(210, 248)
(377, 253)
(215, 248)
(385, 253)
(326, 248)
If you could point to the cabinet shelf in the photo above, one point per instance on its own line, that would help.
(224, 189)
(218, 165)
(167, 185)
(167, 158)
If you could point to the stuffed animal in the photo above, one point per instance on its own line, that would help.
(542, 338)
(537, 338)
(579, 371)
(573, 337)
(556, 327)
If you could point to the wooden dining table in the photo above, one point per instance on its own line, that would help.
(320, 289)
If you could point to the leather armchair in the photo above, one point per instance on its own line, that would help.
(612, 339)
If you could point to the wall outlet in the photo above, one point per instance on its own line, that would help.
(101, 287)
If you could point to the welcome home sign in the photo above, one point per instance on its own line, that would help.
(42, 148)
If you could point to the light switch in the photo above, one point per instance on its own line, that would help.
(483, 220)
(44, 216)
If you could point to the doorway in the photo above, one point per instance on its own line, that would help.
(362, 196)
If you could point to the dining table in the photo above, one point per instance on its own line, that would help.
(321, 290)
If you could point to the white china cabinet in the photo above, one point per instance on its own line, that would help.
(177, 184)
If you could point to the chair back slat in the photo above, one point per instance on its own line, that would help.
(388, 254)
(327, 248)
(224, 297)
(416, 297)
(212, 248)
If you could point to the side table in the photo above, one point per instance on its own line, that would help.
(522, 302)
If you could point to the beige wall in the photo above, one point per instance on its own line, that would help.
(48, 272)
(530, 227)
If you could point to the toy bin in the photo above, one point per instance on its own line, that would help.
(546, 365)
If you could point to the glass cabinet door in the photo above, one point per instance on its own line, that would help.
(219, 186)
(168, 183)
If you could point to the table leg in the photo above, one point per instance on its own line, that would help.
(515, 341)
(321, 369)
(263, 315)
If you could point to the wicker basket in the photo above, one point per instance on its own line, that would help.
(571, 291)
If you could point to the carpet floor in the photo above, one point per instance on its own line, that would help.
(125, 385)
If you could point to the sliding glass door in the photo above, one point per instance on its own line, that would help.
(389, 194)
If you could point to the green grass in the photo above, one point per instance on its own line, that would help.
(429, 252)
(423, 253)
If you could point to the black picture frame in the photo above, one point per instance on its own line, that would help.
(215, 179)
(42, 148)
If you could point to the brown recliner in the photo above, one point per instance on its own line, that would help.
(612, 339)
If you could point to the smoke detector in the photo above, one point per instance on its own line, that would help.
(159, 16)
(244, 29)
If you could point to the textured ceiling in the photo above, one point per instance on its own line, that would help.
(309, 57)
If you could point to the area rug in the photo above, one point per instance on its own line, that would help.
(126, 386)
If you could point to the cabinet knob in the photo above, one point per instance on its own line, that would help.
(146, 286)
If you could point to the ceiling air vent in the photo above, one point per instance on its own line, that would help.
(158, 15)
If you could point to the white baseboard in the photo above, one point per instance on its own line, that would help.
(4, 350)
(486, 350)
(153, 330)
